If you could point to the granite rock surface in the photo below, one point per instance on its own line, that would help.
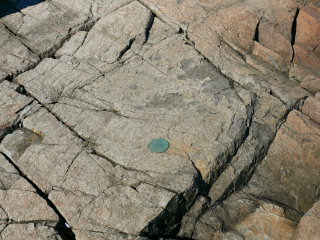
(233, 86)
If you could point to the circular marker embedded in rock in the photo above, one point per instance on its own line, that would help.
(159, 145)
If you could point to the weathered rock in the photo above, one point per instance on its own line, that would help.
(11, 106)
(275, 41)
(92, 8)
(24, 214)
(311, 107)
(229, 55)
(166, 98)
(277, 180)
(189, 220)
(268, 112)
(116, 33)
(71, 46)
(306, 46)
(308, 28)
(262, 131)
(168, 105)
(310, 224)
(270, 57)
(211, 77)
(266, 221)
(110, 234)
(28, 24)
(84, 176)
(242, 217)
(279, 14)
(15, 57)
(32, 231)
(235, 25)
(311, 83)
(290, 173)
(181, 13)
(275, 37)
(306, 58)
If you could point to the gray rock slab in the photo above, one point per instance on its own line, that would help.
(15, 57)
(23, 213)
(28, 26)
(117, 110)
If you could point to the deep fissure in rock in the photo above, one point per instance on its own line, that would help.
(294, 32)
(294, 27)
(246, 174)
(256, 34)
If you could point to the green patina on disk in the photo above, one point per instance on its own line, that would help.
(159, 145)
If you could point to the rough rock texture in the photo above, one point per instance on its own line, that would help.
(232, 85)
(23, 213)
(309, 224)
(307, 51)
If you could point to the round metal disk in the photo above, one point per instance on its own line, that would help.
(159, 145)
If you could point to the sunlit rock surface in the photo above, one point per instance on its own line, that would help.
(233, 86)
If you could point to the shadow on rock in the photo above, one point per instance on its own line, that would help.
(12, 6)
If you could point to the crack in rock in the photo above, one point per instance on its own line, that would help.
(111, 76)
(65, 232)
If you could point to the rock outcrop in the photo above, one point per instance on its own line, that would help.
(233, 86)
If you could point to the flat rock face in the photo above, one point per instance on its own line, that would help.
(87, 85)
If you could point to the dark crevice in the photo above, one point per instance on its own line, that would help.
(246, 174)
(250, 113)
(294, 27)
(167, 223)
(126, 49)
(64, 232)
(243, 178)
(256, 34)
(9, 130)
(9, 78)
(180, 31)
(20, 89)
(294, 32)
(149, 27)
(175, 28)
